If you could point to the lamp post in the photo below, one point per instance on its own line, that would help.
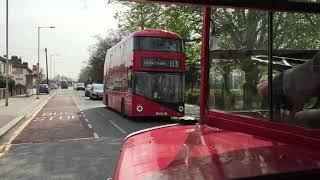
(52, 75)
(7, 60)
(39, 27)
(54, 67)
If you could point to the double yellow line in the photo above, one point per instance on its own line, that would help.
(4, 148)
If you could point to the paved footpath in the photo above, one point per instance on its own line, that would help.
(60, 119)
(19, 107)
(192, 110)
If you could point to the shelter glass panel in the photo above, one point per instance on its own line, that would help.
(238, 36)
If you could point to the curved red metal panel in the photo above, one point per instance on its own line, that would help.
(204, 152)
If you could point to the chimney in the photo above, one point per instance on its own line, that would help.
(25, 64)
(15, 60)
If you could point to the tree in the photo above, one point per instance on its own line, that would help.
(93, 71)
(192, 66)
(85, 75)
(138, 16)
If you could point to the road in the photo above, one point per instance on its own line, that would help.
(72, 137)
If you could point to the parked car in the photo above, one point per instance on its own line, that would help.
(96, 91)
(87, 90)
(44, 88)
(54, 86)
(80, 86)
(75, 86)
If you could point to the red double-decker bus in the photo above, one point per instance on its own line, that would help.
(144, 75)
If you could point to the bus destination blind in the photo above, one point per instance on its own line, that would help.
(160, 63)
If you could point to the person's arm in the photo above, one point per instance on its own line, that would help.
(277, 89)
(302, 83)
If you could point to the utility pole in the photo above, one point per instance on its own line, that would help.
(51, 67)
(47, 65)
(7, 60)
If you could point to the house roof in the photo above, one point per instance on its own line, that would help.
(2, 59)
(16, 65)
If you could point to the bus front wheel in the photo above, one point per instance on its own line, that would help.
(106, 101)
(122, 108)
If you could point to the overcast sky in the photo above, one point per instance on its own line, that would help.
(76, 22)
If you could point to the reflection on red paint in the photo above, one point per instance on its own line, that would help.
(204, 152)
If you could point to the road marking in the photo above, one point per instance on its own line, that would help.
(58, 114)
(114, 143)
(7, 145)
(95, 135)
(119, 128)
(59, 108)
(81, 114)
(47, 114)
(72, 117)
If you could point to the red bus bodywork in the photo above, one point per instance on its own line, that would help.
(63, 84)
(121, 65)
(223, 146)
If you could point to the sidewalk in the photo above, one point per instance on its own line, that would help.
(19, 107)
(192, 110)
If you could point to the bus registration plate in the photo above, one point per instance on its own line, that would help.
(161, 113)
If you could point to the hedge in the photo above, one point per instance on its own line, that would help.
(192, 97)
(11, 83)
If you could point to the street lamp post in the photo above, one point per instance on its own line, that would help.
(52, 75)
(38, 79)
(54, 67)
(7, 60)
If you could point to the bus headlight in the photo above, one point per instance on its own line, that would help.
(139, 108)
(181, 108)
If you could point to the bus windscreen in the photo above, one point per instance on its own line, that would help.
(157, 44)
(161, 87)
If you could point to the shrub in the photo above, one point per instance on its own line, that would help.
(192, 97)
(2, 81)
(223, 102)
(11, 82)
(219, 100)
